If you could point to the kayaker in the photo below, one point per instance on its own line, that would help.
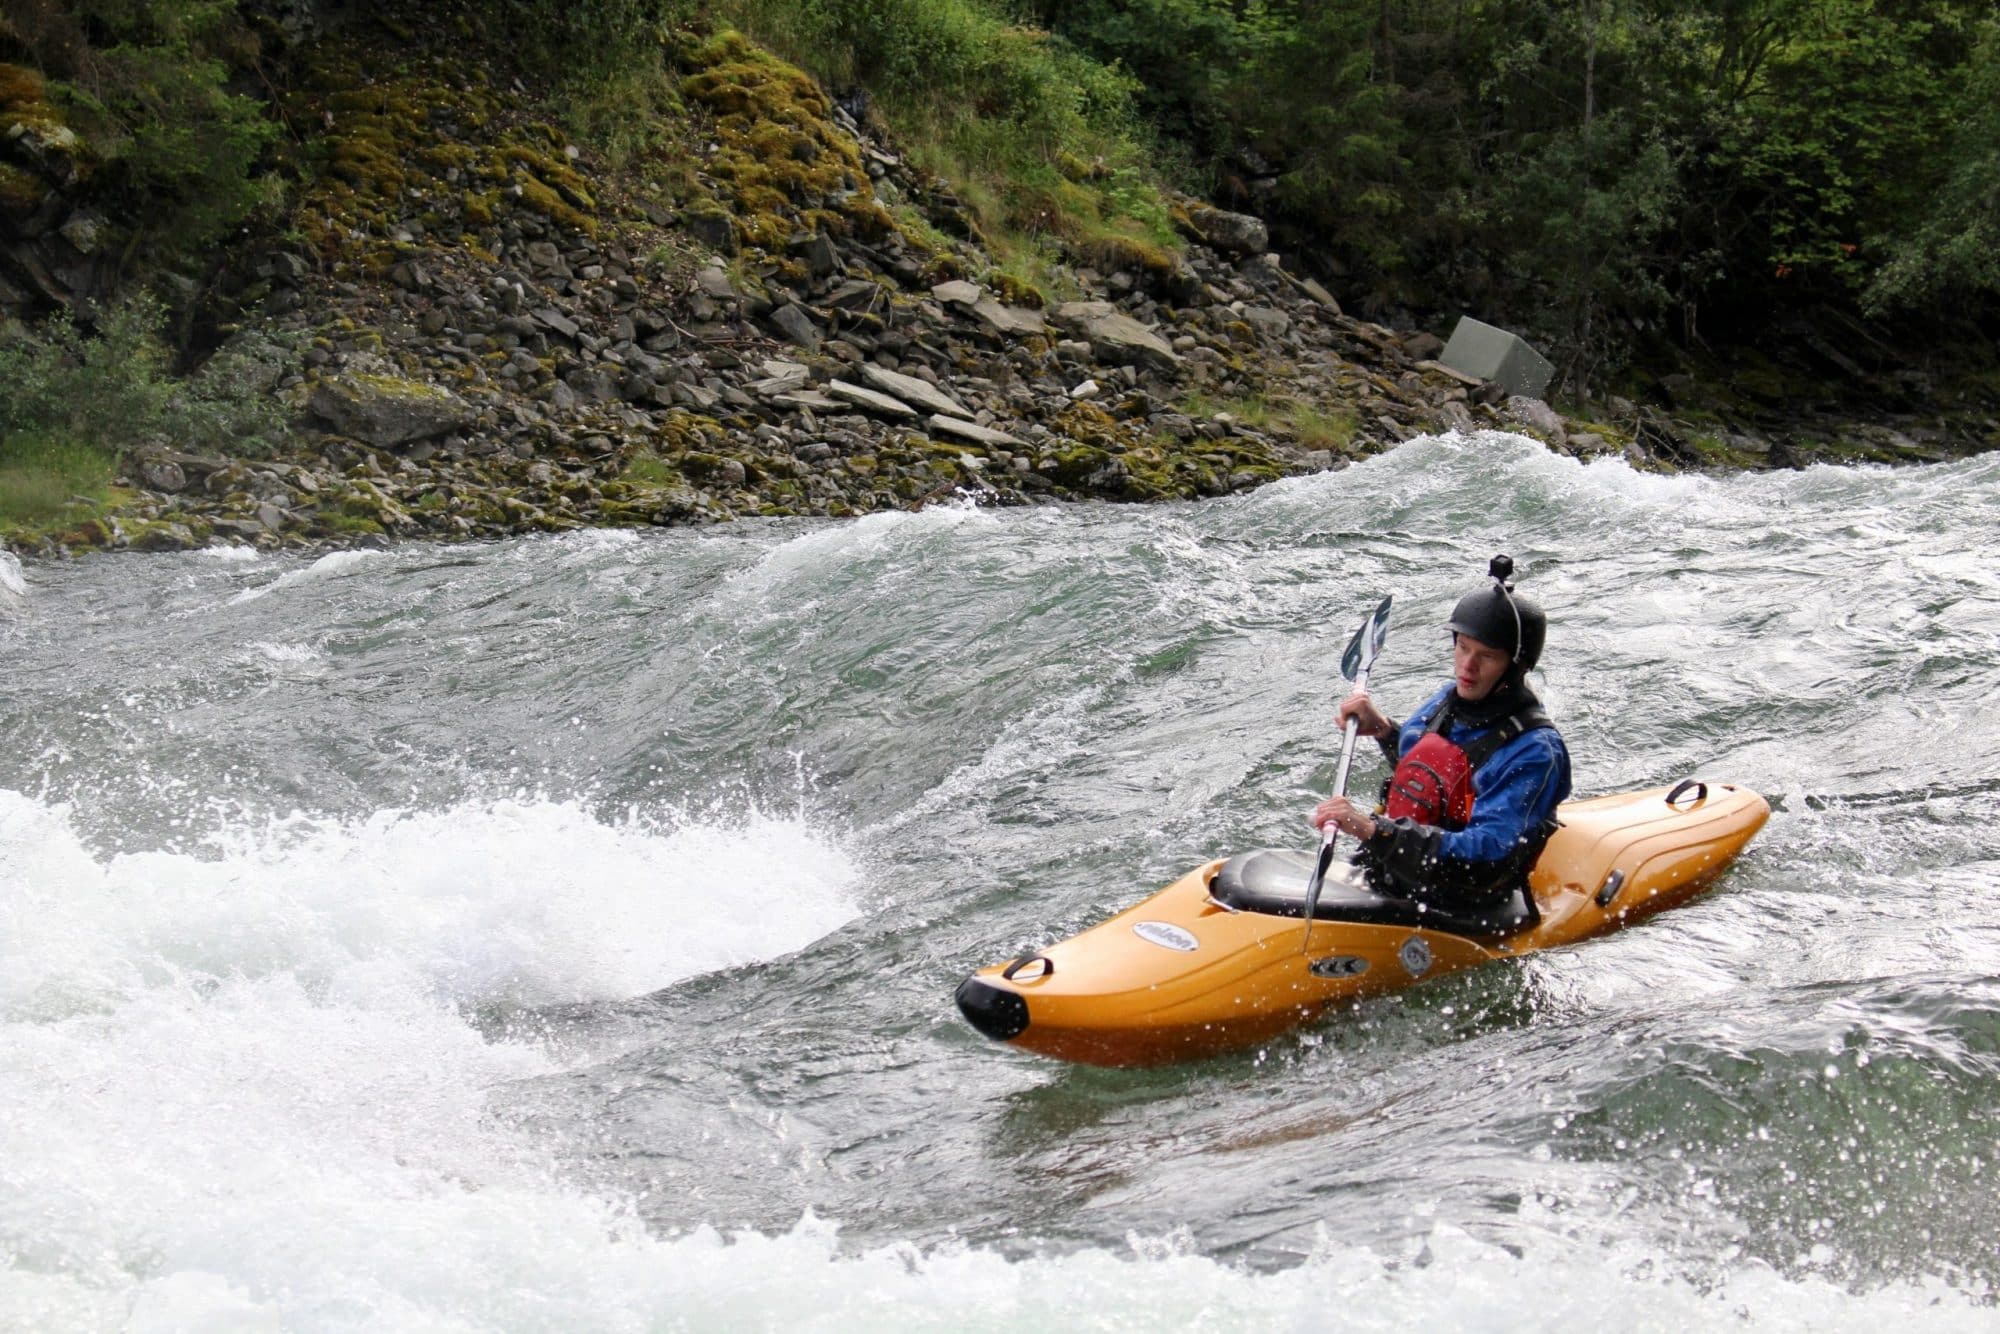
(1479, 768)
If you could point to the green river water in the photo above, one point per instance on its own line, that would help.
(560, 933)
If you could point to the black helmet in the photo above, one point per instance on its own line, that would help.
(1499, 616)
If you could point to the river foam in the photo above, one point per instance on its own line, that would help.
(326, 567)
(249, 1087)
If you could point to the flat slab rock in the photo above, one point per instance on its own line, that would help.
(1000, 318)
(966, 430)
(1017, 321)
(869, 399)
(911, 390)
(807, 398)
(958, 292)
(780, 377)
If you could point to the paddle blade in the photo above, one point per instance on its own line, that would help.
(1363, 649)
(1317, 883)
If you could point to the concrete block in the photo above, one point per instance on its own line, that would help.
(1494, 354)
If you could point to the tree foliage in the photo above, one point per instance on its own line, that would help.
(1580, 168)
(1951, 249)
(1580, 164)
(98, 390)
(148, 84)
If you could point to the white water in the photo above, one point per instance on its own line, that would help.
(13, 582)
(244, 1089)
(328, 566)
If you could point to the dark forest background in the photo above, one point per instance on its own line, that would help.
(1606, 175)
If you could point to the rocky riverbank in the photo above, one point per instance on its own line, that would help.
(481, 332)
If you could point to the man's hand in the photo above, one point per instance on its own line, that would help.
(1370, 721)
(1342, 812)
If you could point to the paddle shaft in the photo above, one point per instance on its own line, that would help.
(1331, 834)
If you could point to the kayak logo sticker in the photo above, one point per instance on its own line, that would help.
(1166, 935)
(1415, 956)
(1338, 965)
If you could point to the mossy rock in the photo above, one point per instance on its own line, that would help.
(94, 532)
(159, 535)
(1076, 463)
(386, 410)
(417, 126)
(348, 525)
(1015, 291)
(783, 164)
(21, 192)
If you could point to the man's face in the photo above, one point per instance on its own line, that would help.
(1477, 667)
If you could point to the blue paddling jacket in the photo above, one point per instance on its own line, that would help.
(1515, 790)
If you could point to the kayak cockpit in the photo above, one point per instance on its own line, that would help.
(1273, 881)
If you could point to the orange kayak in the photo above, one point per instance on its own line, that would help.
(1220, 959)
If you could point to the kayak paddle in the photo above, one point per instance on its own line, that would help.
(1354, 665)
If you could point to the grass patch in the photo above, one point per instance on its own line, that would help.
(649, 469)
(1307, 424)
(1043, 143)
(47, 484)
(634, 116)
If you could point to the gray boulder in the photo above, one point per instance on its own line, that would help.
(1477, 348)
(387, 410)
(1114, 337)
(593, 384)
(1538, 417)
(1231, 233)
(1268, 320)
(796, 326)
(158, 474)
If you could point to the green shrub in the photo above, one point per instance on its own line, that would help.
(104, 391)
(146, 82)
(1951, 247)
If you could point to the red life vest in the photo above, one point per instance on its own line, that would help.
(1432, 784)
(1433, 781)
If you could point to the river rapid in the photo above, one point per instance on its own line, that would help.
(560, 933)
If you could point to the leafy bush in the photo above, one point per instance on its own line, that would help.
(1953, 247)
(106, 391)
(146, 82)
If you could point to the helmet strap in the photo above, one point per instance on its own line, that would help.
(1520, 634)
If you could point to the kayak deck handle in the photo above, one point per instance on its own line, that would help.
(1683, 786)
(1609, 889)
(1048, 967)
